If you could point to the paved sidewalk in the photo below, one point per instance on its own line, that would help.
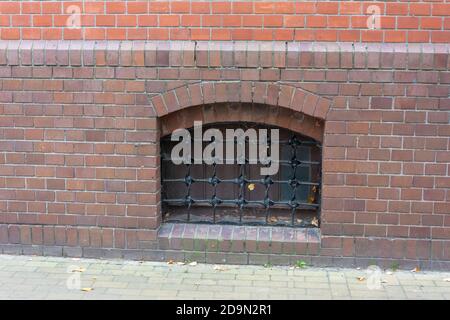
(29, 277)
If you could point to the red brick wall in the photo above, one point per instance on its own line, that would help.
(80, 120)
(79, 137)
(400, 21)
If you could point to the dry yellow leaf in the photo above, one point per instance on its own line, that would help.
(220, 268)
(416, 269)
(87, 289)
(79, 269)
(315, 222)
(251, 186)
(361, 278)
(170, 262)
(273, 219)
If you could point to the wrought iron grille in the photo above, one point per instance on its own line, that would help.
(237, 194)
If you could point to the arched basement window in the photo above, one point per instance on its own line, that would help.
(237, 193)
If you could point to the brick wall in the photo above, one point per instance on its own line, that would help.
(400, 21)
(79, 138)
(80, 123)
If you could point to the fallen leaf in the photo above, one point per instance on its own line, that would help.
(170, 262)
(193, 263)
(220, 268)
(361, 278)
(416, 269)
(251, 186)
(273, 219)
(79, 269)
(87, 289)
(315, 222)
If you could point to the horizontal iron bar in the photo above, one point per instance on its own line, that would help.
(307, 183)
(182, 202)
(247, 161)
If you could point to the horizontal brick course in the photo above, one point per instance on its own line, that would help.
(240, 54)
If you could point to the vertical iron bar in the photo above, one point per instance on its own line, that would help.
(241, 180)
(215, 190)
(294, 177)
(188, 196)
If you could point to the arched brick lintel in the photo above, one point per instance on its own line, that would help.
(244, 112)
(272, 94)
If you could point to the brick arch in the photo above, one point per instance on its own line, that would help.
(243, 112)
(272, 94)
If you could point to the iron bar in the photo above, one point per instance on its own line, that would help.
(272, 198)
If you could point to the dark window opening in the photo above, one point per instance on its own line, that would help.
(237, 193)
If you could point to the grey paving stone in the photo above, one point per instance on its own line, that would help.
(37, 277)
